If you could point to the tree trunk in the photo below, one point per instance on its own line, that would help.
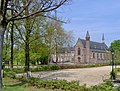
(56, 54)
(6, 47)
(27, 36)
(11, 59)
(2, 30)
(27, 58)
(12, 41)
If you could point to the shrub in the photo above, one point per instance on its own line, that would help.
(54, 67)
(63, 85)
(118, 69)
(102, 87)
(16, 70)
(66, 66)
(10, 74)
(45, 68)
(37, 69)
(57, 84)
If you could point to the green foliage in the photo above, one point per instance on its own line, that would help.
(16, 85)
(57, 84)
(115, 45)
(35, 84)
(54, 67)
(65, 66)
(19, 56)
(107, 86)
(16, 70)
(70, 86)
(118, 69)
(117, 62)
(45, 68)
(43, 60)
(9, 74)
(37, 69)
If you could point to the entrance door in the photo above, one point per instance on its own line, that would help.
(78, 59)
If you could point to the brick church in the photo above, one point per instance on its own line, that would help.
(85, 51)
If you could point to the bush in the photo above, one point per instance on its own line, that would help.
(55, 84)
(54, 67)
(66, 66)
(69, 86)
(45, 68)
(51, 67)
(16, 70)
(39, 68)
(22, 78)
(118, 69)
(103, 87)
(10, 74)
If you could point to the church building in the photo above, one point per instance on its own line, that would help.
(85, 51)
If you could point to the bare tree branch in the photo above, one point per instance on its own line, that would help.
(22, 10)
(50, 7)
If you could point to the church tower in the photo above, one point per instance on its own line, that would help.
(103, 39)
(87, 48)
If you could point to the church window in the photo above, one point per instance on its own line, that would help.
(97, 55)
(78, 59)
(104, 55)
(78, 51)
(101, 55)
(93, 55)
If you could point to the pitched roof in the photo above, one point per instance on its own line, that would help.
(95, 45)
(66, 49)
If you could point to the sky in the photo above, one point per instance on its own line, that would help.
(96, 16)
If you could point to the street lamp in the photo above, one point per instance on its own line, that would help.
(112, 73)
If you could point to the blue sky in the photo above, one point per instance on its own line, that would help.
(95, 16)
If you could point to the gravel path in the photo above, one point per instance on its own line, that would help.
(88, 76)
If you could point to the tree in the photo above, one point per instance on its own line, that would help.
(39, 49)
(115, 45)
(30, 32)
(56, 37)
(19, 13)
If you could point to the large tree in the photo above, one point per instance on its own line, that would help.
(115, 45)
(56, 37)
(31, 33)
(19, 13)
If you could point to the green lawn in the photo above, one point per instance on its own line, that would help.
(15, 85)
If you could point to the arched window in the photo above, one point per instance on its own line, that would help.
(97, 55)
(78, 51)
(93, 55)
(101, 55)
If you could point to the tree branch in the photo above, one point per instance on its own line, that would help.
(1, 9)
(49, 8)
(19, 32)
(22, 10)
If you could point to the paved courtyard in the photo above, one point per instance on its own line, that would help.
(88, 76)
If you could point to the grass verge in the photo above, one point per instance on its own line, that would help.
(16, 85)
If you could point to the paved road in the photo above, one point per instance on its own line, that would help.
(88, 76)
